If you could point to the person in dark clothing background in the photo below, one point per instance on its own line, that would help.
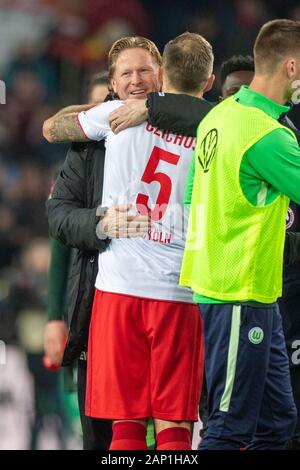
(289, 305)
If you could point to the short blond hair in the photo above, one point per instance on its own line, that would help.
(188, 62)
(131, 42)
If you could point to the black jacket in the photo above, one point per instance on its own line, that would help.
(72, 220)
(180, 114)
(78, 192)
(292, 239)
(290, 300)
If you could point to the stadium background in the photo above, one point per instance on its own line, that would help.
(48, 50)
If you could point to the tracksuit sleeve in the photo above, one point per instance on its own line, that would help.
(70, 221)
(280, 165)
(188, 190)
(179, 114)
(57, 279)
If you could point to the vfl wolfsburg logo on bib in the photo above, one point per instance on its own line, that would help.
(256, 335)
(290, 218)
(208, 149)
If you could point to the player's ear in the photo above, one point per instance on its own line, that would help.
(113, 85)
(209, 83)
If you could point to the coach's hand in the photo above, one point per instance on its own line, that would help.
(118, 222)
(55, 336)
(133, 112)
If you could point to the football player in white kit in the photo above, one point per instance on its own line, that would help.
(145, 349)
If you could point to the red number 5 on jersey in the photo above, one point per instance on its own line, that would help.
(164, 180)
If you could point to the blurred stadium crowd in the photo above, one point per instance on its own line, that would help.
(49, 49)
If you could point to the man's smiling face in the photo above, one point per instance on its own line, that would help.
(136, 74)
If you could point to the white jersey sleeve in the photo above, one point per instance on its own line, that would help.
(94, 122)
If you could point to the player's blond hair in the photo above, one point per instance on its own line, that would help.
(131, 42)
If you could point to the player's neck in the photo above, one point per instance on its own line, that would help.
(271, 88)
(170, 89)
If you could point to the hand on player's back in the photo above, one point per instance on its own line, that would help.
(132, 113)
(119, 222)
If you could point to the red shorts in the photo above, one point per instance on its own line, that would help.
(145, 359)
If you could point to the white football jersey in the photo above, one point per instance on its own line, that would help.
(146, 167)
